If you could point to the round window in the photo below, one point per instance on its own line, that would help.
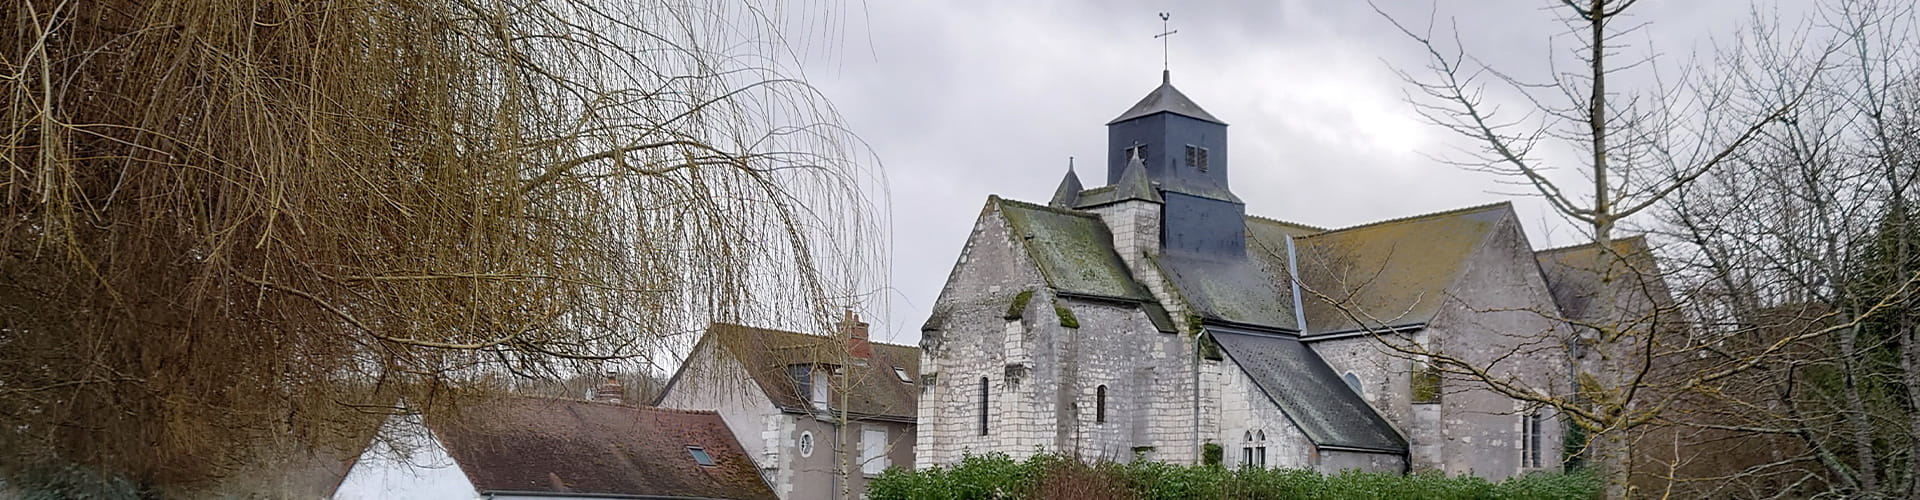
(806, 444)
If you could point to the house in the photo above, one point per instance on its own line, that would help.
(808, 405)
(509, 447)
(1151, 317)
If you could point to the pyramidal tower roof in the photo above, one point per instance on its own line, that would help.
(1068, 194)
(1168, 99)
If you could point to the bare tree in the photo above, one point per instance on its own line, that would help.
(227, 223)
(1633, 149)
(1808, 238)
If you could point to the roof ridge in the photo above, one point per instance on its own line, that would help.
(1411, 218)
(1578, 246)
(1290, 223)
(1062, 211)
(558, 399)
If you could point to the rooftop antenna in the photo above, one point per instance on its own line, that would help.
(1165, 36)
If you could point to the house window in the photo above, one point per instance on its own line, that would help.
(873, 450)
(902, 373)
(1254, 454)
(1532, 425)
(700, 456)
(1100, 405)
(820, 393)
(983, 406)
(802, 377)
(806, 444)
(1353, 382)
(1197, 157)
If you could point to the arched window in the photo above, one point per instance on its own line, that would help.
(983, 406)
(1100, 405)
(1254, 454)
(1353, 381)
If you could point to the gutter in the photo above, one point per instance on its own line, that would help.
(1358, 332)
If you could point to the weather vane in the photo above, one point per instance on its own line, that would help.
(1164, 36)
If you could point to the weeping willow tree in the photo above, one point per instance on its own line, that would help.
(228, 227)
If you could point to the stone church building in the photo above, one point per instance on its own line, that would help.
(1152, 317)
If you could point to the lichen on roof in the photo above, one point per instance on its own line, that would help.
(1388, 273)
(1073, 250)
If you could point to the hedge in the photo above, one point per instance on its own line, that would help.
(1056, 477)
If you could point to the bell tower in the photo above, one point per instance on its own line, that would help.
(1184, 151)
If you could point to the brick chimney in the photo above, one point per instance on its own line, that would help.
(857, 344)
(610, 391)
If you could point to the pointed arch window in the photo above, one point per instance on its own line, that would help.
(1254, 453)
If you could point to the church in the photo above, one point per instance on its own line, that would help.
(1152, 318)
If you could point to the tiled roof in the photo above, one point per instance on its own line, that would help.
(1073, 250)
(1579, 286)
(546, 446)
(1389, 273)
(1311, 394)
(877, 390)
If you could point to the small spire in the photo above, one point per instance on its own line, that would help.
(1134, 184)
(1166, 77)
(1068, 194)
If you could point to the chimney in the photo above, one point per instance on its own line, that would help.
(610, 391)
(857, 345)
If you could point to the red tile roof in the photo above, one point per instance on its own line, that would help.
(544, 445)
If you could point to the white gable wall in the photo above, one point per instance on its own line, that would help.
(712, 380)
(1501, 316)
(405, 460)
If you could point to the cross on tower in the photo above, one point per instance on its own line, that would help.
(1164, 36)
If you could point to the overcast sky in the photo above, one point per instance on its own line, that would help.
(960, 100)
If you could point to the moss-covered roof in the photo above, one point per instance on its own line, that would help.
(1582, 288)
(1073, 250)
(1388, 273)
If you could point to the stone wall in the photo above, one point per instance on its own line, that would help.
(967, 340)
(1501, 317)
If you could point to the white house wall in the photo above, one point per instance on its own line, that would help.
(405, 460)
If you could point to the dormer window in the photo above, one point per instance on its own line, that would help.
(810, 381)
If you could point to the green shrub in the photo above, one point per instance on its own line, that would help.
(1059, 477)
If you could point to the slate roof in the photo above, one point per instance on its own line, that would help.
(1166, 99)
(584, 448)
(1255, 290)
(1073, 250)
(1308, 391)
(876, 392)
(1391, 273)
